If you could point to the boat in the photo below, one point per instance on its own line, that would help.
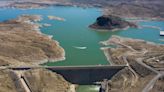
(161, 33)
(80, 47)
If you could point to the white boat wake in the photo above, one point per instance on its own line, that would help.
(82, 48)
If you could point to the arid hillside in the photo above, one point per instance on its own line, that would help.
(23, 44)
(33, 80)
(144, 61)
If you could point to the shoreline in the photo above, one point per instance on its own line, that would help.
(107, 43)
(50, 37)
(50, 49)
(37, 29)
(107, 55)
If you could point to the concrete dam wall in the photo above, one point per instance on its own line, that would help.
(87, 75)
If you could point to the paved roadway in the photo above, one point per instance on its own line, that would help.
(70, 67)
(152, 82)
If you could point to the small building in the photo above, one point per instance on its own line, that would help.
(161, 33)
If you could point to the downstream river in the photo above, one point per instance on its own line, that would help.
(74, 32)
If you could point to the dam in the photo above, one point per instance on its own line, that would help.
(82, 75)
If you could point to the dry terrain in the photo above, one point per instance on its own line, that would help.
(144, 65)
(42, 80)
(6, 82)
(158, 87)
(23, 44)
(33, 80)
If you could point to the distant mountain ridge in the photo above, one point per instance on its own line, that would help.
(122, 8)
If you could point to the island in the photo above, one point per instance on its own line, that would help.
(144, 61)
(112, 23)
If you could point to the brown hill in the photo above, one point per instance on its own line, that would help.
(23, 44)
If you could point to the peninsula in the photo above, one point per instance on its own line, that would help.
(22, 43)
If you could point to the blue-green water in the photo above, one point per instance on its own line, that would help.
(88, 88)
(75, 32)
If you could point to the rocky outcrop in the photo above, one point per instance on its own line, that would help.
(110, 22)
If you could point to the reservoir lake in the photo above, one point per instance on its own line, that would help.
(74, 32)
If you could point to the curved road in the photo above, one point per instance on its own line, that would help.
(152, 82)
